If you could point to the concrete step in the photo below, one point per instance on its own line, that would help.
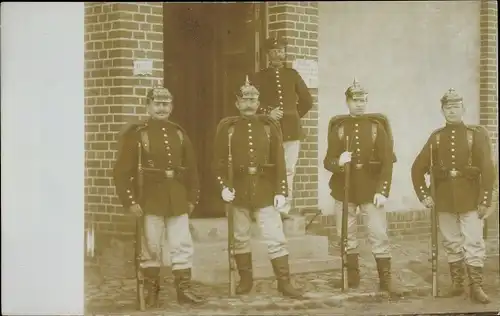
(215, 229)
(208, 274)
(305, 247)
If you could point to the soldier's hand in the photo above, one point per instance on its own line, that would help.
(279, 201)
(345, 158)
(136, 210)
(228, 195)
(482, 210)
(379, 200)
(428, 202)
(276, 114)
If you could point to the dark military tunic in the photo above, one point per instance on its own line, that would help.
(165, 149)
(256, 146)
(284, 87)
(463, 179)
(371, 163)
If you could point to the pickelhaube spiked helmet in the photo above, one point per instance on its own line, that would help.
(275, 42)
(451, 96)
(159, 93)
(355, 91)
(248, 91)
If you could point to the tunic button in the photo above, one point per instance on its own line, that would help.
(453, 131)
(452, 143)
(357, 137)
(249, 130)
(452, 156)
(251, 149)
(250, 143)
(249, 124)
(356, 124)
(163, 129)
(250, 137)
(453, 149)
(279, 86)
(356, 131)
(279, 91)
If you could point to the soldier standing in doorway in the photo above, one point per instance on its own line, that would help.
(370, 153)
(258, 186)
(286, 99)
(170, 190)
(464, 177)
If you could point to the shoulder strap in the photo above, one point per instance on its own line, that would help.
(181, 136)
(374, 132)
(268, 131)
(340, 131)
(145, 140)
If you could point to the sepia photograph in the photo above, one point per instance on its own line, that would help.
(288, 158)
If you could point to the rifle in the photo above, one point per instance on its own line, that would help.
(345, 214)
(434, 228)
(230, 224)
(139, 229)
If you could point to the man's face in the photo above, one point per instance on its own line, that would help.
(277, 55)
(247, 106)
(160, 110)
(453, 112)
(357, 105)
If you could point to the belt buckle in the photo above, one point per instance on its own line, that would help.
(358, 166)
(169, 173)
(453, 173)
(252, 170)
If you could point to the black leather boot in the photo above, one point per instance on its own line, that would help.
(457, 273)
(185, 294)
(352, 272)
(281, 270)
(385, 277)
(477, 294)
(152, 286)
(244, 265)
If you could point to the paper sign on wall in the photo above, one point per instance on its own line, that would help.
(308, 70)
(143, 67)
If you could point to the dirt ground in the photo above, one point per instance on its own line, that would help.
(110, 289)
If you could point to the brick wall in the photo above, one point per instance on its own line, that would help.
(115, 35)
(298, 23)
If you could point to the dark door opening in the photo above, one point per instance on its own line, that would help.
(208, 49)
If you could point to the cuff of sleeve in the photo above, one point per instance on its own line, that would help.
(384, 188)
(281, 188)
(422, 193)
(195, 197)
(129, 198)
(485, 198)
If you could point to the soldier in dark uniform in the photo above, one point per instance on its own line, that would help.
(464, 177)
(363, 141)
(284, 97)
(259, 186)
(169, 192)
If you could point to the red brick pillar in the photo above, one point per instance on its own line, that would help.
(298, 23)
(488, 90)
(115, 35)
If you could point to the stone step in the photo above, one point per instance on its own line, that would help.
(215, 253)
(208, 274)
(215, 229)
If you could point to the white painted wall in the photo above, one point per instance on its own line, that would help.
(407, 55)
(42, 158)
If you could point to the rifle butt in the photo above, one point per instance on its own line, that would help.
(232, 262)
(138, 269)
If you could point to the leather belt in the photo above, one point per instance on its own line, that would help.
(357, 166)
(251, 170)
(169, 173)
(454, 173)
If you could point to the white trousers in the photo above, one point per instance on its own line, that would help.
(377, 228)
(291, 149)
(463, 237)
(271, 228)
(167, 242)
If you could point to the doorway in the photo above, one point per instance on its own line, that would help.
(208, 50)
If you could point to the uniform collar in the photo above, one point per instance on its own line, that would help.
(156, 123)
(455, 125)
